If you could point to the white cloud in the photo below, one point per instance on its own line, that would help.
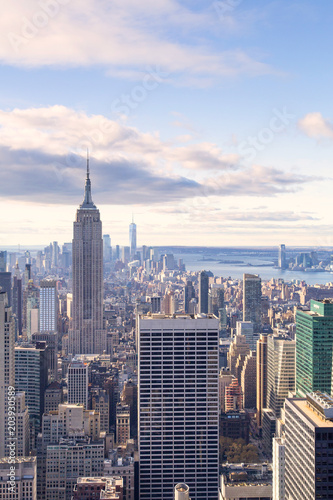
(315, 125)
(124, 36)
(45, 148)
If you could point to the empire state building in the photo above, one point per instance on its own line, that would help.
(87, 334)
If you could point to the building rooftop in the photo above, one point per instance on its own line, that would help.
(177, 316)
(312, 414)
(19, 460)
(240, 475)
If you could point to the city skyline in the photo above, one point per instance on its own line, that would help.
(219, 126)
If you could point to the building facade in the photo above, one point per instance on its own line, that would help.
(7, 368)
(48, 306)
(132, 239)
(22, 484)
(252, 300)
(78, 383)
(280, 370)
(178, 406)
(309, 447)
(87, 334)
(314, 341)
(203, 292)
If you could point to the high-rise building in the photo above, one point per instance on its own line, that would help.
(3, 261)
(225, 379)
(17, 299)
(48, 306)
(168, 262)
(78, 383)
(178, 406)
(282, 257)
(314, 338)
(261, 377)
(249, 380)
(132, 238)
(268, 429)
(189, 294)
(30, 302)
(203, 292)
(308, 447)
(123, 425)
(279, 447)
(6, 285)
(216, 304)
(233, 396)
(31, 309)
(252, 300)
(246, 328)
(22, 426)
(87, 335)
(53, 397)
(280, 371)
(31, 377)
(107, 249)
(100, 402)
(155, 304)
(55, 254)
(7, 371)
(51, 341)
(129, 396)
(238, 347)
(125, 254)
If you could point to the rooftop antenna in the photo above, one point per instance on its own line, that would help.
(88, 163)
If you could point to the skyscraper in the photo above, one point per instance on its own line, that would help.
(132, 238)
(189, 294)
(249, 380)
(107, 250)
(6, 285)
(31, 377)
(308, 447)
(203, 292)
(17, 299)
(178, 406)
(252, 300)
(48, 306)
(78, 383)
(3, 261)
(282, 257)
(314, 340)
(7, 370)
(280, 371)
(87, 334)
(261, 377)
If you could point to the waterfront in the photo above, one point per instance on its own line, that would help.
(261, 261)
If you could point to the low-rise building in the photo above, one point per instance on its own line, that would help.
(239, 482)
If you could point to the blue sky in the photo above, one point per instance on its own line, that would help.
(212, 122)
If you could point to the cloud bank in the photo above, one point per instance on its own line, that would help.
(42, 151)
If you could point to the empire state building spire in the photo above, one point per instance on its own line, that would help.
(87, 202)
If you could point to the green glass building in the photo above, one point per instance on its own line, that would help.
(314, 346)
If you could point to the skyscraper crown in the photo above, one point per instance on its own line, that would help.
(87, 202)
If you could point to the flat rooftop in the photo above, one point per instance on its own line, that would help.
(303, 406)
(177, 316)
